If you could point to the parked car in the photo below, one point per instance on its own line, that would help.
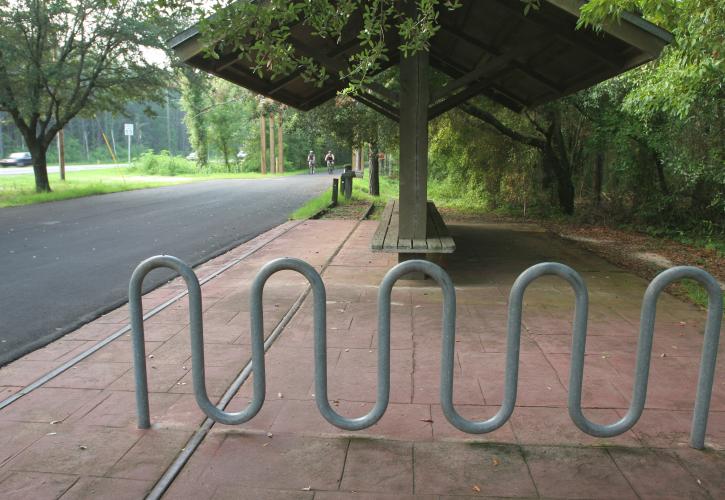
(192, 156)
(17, 160)
(241, 155)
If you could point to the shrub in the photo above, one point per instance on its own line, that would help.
(162, 164)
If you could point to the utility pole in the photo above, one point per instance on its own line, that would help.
(280, 148)
(2, 144)
(263, 143)
(61, 153)
(272, 163)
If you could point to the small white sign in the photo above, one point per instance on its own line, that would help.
(128, 128)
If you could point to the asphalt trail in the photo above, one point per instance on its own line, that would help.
(65, 263)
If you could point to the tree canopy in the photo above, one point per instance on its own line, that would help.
(60, 58)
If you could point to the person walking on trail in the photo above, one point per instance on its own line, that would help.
(330, 161)
(311, 161)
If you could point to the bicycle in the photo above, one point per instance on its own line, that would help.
(311, 166)
(330, 166)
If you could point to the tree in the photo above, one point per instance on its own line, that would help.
(670, 113)
(194, 90)
(548, 132)
(231, 119)
(61, 57)
(356, 125)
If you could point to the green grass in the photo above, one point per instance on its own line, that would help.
(360, 192)
(695, 292)
(313, 206)
(19, 189)
(447, 194)
(439, 192)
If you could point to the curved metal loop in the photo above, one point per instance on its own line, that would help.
(449, 318)
(644, 354)
(320, 347)
(513, 345)
(197, 347)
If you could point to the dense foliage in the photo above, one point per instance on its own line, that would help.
(647, 147)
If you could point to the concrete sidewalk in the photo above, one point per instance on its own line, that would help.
(76, 436)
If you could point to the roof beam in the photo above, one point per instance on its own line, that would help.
(278, 85)
(569, 34)
(487, 68)
(538, 77)
(493, 51)
(461, 97)
(382, 91)
(378, 105)
(491, 91)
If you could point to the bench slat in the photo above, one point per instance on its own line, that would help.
(446, 240)
(391, 238)
(386, 237)
(434, 240)
(382, 230)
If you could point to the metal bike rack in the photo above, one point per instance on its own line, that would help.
(644, 354)
(644, 349)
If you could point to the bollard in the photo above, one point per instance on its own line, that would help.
(334, 192)
(346, 182)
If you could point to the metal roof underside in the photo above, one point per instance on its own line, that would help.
(486, 47)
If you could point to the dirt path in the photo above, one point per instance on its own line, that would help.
(644, 255)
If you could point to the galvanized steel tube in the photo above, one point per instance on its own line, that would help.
(644, 354)
(197, 347)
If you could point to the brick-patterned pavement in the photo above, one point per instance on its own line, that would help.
(76, 436)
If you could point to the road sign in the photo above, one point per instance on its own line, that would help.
(128, 129)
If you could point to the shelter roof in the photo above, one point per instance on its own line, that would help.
(486, 47)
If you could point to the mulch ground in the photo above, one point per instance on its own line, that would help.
(644, 255)
(353, 210)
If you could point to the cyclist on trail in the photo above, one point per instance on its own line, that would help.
(311, 161)
(330, 161)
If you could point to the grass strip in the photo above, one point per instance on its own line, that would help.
(17, 190)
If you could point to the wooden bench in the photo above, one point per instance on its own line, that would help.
(438, 239)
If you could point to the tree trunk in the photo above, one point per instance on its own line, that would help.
(263, 144)
(61, 154)
(564, 184)
(374, 171)
(660, 166)
(225, 152)
(272, 163)
(168, 126)
(280, 145)
(84, 124)
(598, 177)
(2, 143)
(40, 165)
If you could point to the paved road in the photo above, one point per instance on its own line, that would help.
(56, 169)
(64, 263)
